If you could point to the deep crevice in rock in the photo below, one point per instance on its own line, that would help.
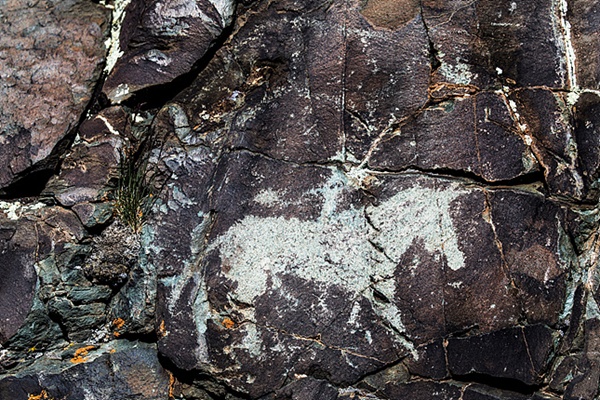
(32, 184)
(155, 97)
(433, 52)
(505, 384)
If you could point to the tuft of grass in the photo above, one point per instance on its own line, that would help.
(140, 180)
(135, 191)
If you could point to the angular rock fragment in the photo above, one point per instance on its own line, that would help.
(51, 55)
(92, 164)
(161, 40)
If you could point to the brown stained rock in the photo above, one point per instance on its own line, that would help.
(390, 14)
(314, 87)
(490, 43)
(29, 234)
(531, 248)
(17, 286)
(585, 371)
(424, 390)
(431, 362)
(51, 54)
(303, 273)
(474, 134)
(587, 125)
(161, 40)
(381, 87)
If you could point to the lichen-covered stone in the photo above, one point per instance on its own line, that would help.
(31, 234)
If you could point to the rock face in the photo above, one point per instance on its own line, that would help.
(386, 199)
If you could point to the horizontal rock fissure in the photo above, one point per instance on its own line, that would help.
(528, 179)
(505, 384)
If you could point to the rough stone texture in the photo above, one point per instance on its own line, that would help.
(51, 53)
(384, 199)
(490, 43)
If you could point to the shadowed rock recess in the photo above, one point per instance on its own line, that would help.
(299, 199)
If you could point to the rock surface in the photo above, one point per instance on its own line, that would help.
(385, 199)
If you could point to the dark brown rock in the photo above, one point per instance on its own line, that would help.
(514, 353)
(585, 372)
(586, 136)
(495, 43)
(431, 362)
(92, 164)
(584, 17)
(474, 135)
(18, 244)
(51, 57)
(548, 119)
(385, 199)
(424, 390)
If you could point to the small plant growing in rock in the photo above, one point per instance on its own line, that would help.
(139, 182)
(134, 195)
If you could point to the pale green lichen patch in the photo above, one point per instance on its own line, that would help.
(423, 213)
(15, 210)
(455, 71)
(337, 248)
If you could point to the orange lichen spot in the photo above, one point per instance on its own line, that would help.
(42, 396)
(228, 323)
(118, 323)
(162, 331)
(171, 386)
(113, 351)
(81, 353)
